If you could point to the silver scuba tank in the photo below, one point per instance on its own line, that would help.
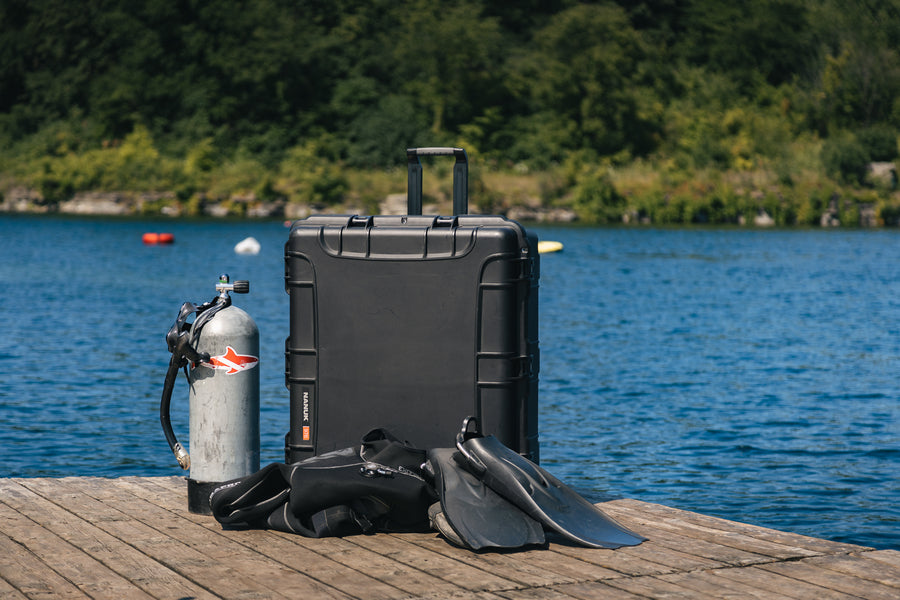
(220, 353)
(224, 404)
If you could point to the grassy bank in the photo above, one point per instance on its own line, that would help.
(799, 192)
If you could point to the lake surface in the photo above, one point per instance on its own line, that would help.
(746, 374)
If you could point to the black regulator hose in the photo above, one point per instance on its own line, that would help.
(178, 340)
(181, 455)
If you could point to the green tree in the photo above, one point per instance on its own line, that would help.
(447, 60)
(584, 75)
(763, 41)
(858, 76)
(310, 174)
(845, 158)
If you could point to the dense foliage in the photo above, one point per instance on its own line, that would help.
(664, 110)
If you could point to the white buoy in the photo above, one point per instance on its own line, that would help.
(247, 246)
(547, 246)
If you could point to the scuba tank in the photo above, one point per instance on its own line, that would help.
(219, 353)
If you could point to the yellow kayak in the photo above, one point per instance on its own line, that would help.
(549, 246)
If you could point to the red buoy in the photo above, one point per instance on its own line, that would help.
(158, 238)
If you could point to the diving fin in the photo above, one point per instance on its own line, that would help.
(476, 515)
(538, 493)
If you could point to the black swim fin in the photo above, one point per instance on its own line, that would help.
(540, 494)
(477, 516)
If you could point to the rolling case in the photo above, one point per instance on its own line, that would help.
(412, 323)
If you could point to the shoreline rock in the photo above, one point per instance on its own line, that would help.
(22, 200)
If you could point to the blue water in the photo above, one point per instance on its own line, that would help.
(751, 375)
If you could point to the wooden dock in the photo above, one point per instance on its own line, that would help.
(134, 538)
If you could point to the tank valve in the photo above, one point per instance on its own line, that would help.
(241, 286)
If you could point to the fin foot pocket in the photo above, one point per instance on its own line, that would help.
(475, 515)
(538, 493)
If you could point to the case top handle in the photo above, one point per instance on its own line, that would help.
(460, 178)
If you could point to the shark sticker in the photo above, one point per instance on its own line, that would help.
(232, 362)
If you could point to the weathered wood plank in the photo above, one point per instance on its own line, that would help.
(891, 557)
(31, 576)
(456, 572)
(174, 484)
(385, 569)
(73, 564)
(8, 592)
(152, 577)
(654, 587)
(676, 522)
(355, 581)
(797, 540)
(596, 591)
(288, 550)
(513, 566)
(674, 559)
(645, 559)
(567, 567)
(772, 583)
(223, 567)
(711, 584)
(168, 492)
(703, 549)
(343, 551)
(535, 594)
(860, 566)
(528, 568)
(809, 572)
(458, 595)
(214, 544)
(620, 561)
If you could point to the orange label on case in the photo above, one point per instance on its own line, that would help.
(306, 434)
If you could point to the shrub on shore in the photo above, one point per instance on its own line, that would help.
(812, 185)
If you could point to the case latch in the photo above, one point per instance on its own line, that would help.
(446, 222)
(357, 221)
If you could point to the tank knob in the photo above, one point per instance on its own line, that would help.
(240, 286)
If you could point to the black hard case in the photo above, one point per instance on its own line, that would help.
(412, 323)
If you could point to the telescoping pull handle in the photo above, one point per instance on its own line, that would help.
(460, 178)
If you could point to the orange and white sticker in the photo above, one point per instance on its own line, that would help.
(232, 362)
